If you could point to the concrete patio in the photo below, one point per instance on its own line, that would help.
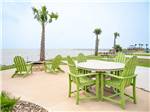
(51, 92)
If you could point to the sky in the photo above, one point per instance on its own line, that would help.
(76, 23)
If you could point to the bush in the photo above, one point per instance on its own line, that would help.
(118, 48)
(7, 103)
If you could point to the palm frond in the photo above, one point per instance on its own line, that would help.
(36, 13)
(54, 15)
(97, 31)
(50, 20)
(116, 34)
(43, 16)
(34, 10)
(43, 9)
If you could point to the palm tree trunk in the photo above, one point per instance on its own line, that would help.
(114, 50)
(96, 45)
(114, 42)
(139, 46)
(42, 49)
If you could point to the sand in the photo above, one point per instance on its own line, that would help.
(51, 92)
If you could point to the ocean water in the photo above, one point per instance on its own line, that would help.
(7, 55)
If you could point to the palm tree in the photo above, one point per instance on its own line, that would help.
(141, 45)
(118, 48)
(97, 32)
(147, 49)
(146, 46)
(135, 45)
(43, 17)
(116, 34)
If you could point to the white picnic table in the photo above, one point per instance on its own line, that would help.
(100, 67)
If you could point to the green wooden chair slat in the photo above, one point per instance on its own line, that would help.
(22, 68)
(54, 66)
(81, 81)
(126, 79)
(82, 58)
(129, 71)
(120, 57)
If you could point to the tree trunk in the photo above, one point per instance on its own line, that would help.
(42, 49)
(114, 44)
(96, 45)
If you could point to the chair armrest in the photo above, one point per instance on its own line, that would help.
(120, 77)
(29, 64)
(132, 76)
(83, 75)
(48, 62)
(71, 65)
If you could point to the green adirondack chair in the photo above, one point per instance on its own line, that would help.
(81, 81)
(22, 68)
(54, 66)
(81, 58)
(120, 57)
(126, 79)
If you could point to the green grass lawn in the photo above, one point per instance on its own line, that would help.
(5, 67)
(144, 62)
(141, 54)
(141, 62)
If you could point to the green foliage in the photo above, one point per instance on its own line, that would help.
(7, 103)
(97, 31)
(118, 48)
(43, 16)
(116, 34)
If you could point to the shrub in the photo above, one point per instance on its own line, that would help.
(7, 103)
(118, 48)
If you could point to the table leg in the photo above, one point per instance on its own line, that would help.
(98, 86)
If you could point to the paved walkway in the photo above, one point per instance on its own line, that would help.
(143, 77)
(51, 92)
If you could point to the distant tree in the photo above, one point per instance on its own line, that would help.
(43, 17)
(97, 32)
(135, 45)
(147, 49)
(118, 48)
(141, 45)
(116, 34)
(146, 46)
